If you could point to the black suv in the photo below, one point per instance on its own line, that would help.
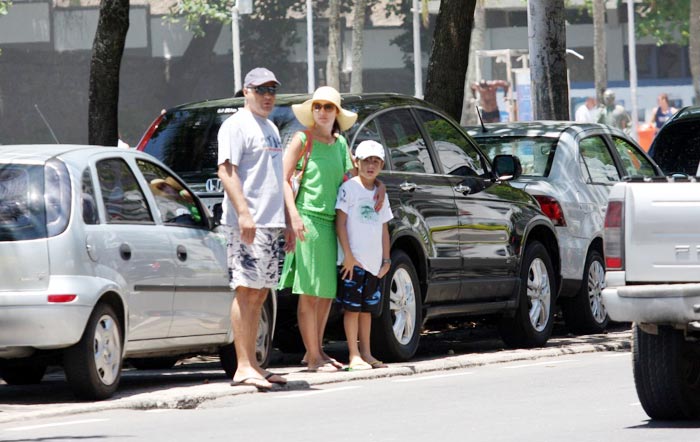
(463, 241)
(675, 147)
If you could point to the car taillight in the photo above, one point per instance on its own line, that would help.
(614, 236)
(551, 207)
(149, 133)
(57, 197)
(61, 298)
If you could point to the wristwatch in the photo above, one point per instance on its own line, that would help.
(386, 261)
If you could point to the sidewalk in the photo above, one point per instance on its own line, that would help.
(25, 403)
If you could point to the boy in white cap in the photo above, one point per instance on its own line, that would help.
(360, 228)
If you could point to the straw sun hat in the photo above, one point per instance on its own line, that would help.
(304, 111)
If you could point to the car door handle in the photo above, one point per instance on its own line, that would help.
(181, 253)
(408, 187)
(125, 252)
(461, 188)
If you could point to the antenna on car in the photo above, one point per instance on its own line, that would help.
(46, 123)
(481, 120)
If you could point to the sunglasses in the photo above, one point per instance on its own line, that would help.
(328, 107)
(262, 90)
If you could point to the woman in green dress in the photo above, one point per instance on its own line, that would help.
(310, 270)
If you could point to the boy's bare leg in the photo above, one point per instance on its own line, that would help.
(351, 323)
(365, 329)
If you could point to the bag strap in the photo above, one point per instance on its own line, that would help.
(306, 153)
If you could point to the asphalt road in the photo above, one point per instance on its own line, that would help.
(572, 397)
(192, 382)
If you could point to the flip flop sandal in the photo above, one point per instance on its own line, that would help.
(253, 382)
(280, 380)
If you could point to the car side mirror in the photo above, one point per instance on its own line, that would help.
(507, 167)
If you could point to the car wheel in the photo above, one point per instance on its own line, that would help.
(585, 312)
(532, 324)
(263, 344)
(93, 365)
(395, 334)
(23, 374)
(154, 363)
(666, 374)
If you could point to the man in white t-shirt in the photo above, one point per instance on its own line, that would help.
(250, 170)
(585, 113)
(360, 228)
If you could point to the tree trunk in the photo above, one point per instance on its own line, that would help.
(469, 115)
(107, 51)
(449, 55)
(332, 63)
(547, 44)
(358, 27)
(600, 64)
(694, 46)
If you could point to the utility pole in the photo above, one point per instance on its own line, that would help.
(240, 7)
(311, 85)
(417, 58)
(632, 45)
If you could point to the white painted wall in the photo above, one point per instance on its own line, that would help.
(26, 23)
(74, 29)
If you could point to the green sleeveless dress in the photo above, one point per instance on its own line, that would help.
(311, 268)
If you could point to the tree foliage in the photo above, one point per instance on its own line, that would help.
(4, 5)
(667, 21)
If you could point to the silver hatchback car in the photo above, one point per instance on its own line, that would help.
(570, 168)
(107, 255)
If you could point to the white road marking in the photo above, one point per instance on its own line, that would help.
(636, 404)
(160, 410)
(510, 367)
(617, 355)
(314, 393)
(428, 378)
(57, 424)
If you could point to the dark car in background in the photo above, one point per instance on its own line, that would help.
(463, 241)
(676, 148)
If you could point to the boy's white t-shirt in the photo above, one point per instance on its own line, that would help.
(364, 224)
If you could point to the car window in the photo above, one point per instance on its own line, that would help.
(535, 153)
(89, 203)
(597, 161)
(22, 215)
(121, 195)
(175, 203)
(456, 154)
(407, 148)
(633, 160)
(675, 147)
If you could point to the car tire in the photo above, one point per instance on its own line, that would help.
(396, 333)
(163, 363)
(666, 372)
(585, 312)
(531, 326)
(263, 344)
(93, 365)
(23, 374)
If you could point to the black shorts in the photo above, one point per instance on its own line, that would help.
(362, 293)
(492, 116)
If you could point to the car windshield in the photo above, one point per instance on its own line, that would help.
(22, 213)
(535, 153)
(186, 139)
(676, 149)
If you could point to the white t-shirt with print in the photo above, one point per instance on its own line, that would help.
(364, 224)
(253, 144)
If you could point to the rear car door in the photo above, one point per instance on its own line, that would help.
(600, 173)
(489, 260)
(202, 300)
(425, 206)
(129, 248)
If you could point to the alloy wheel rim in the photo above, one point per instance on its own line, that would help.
(402, 302)
(539, 294)
(107, 350)
(596, 284)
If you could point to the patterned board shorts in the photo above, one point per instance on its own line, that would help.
(256, 265)
(362, 293)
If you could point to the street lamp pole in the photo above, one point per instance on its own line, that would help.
(236, 45)
(417, 59)
(632, 52)
(310, 46)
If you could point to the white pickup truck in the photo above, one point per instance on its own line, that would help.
(652, 254)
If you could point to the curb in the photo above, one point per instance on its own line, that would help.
(192, 396)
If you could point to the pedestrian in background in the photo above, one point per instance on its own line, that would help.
(250, 170)
(661, 113)
(585, 113)
(487, 98)
(613, 114)
(310, 270)
(360, 228)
